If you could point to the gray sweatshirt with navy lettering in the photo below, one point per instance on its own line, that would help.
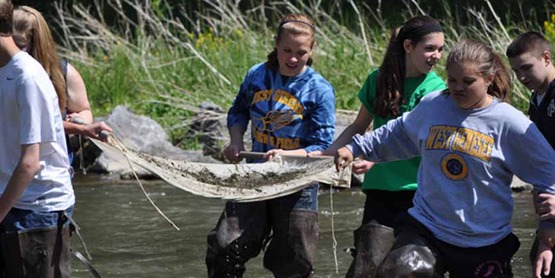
(469, 158)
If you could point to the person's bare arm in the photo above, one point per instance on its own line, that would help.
(23, 174)
(78, 102)
(359, 126)
(231, 152)
(79, 107)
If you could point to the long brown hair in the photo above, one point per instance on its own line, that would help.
(389, 91)
(31, 33)
(294, 24)
(487, 61)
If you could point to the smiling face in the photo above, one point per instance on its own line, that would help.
(293, 52)
(468, 88)
(532, 70)
(424, 55)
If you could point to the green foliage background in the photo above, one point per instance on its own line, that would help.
(163, 58)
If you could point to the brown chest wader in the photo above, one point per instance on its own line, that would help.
(289, 237)
(36, 253)
(43, 253)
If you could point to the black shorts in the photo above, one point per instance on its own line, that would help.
(488, 261)
(383, 206)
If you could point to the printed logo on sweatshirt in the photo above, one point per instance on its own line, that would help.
(279, 96)
(289, 109)
(454, 166)
(460, 140)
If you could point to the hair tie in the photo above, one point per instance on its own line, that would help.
(299, 21)
(422, 31)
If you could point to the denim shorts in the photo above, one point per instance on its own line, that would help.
(308, 199)
(21, 220)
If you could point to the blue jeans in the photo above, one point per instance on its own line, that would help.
(21, 220)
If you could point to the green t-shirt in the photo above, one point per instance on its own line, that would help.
(397, 175)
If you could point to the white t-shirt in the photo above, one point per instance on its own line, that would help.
(539, 98)
(29, 114)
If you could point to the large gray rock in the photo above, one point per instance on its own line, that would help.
(142, 134)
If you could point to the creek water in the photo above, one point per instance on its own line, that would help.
(128, 238)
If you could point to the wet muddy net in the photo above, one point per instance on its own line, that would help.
(237, 182)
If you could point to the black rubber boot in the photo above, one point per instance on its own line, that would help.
(233, 242)
(372, 242)
(409, 257)
(292, 249)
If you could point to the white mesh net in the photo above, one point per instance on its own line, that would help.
(237, 182)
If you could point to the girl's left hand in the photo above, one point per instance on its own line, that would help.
(343, 158)
(269, 155)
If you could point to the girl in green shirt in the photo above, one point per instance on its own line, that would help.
(413, 51)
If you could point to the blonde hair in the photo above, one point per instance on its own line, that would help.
(31, 33)
(487, 62)
(294, 24)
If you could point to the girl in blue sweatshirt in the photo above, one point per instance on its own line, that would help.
(291, 109)
(471, 143)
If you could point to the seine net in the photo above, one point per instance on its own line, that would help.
(237, 182)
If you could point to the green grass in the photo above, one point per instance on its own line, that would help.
(166, 71)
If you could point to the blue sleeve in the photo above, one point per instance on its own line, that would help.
(391, 142)
(239, 112)
(322, 119)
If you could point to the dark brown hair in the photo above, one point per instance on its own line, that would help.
(487, 62)
(389, 91)
(294, 24)
(530, 41)
(6, 15)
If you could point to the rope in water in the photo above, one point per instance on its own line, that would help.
(122, 147)
(334, 240)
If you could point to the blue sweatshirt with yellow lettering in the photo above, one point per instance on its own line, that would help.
(469, 157)
(285, 112)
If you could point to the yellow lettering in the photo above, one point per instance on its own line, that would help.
(443, 138)
(434, 130)
(261, 96)
(459, 140)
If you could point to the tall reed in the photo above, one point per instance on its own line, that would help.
(158, 66)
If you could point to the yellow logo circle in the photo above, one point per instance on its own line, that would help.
(454, 166)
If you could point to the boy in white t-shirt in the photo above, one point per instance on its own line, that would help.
(35, 185)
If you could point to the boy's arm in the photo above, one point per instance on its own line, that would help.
(544, 204)
(544, 255)
(24, 172)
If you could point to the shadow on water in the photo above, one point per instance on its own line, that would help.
(127, 237)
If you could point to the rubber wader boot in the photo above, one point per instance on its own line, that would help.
(409, 260)
(372, 242)
(291, 252)
(42, 254)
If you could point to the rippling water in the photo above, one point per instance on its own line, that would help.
(128, 238)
